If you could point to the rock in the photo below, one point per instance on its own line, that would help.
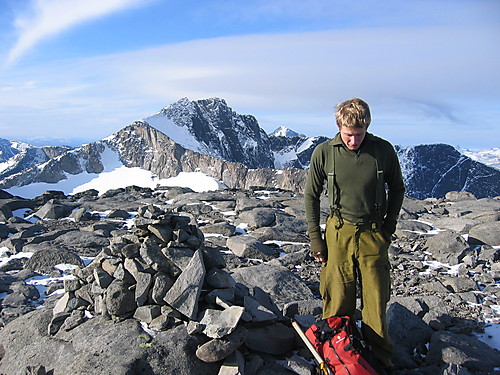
(276, 339)
(45, 260)
(142, 287)
(233, 365)
(120, 300)
(462, 350)
(259, 313)
(453, 369)
(87, 243)
(408, 330)
(455, 224)
(80, 214)
(278, 234)
(219, 279)
(282, 285)
(118, 214)
(486, 233)
(163, 232)
(460, 284)
(147, 313)
(247, 247)
(75, 350)
(185, 293)
(305, 307)
(219, 349)
(297, 365)
(173, 352)
(221, 323)
(162, 282)
(153, 256)
(20, 294)
(258, 217)
(52, 210)
(455, 196)
(447, 247)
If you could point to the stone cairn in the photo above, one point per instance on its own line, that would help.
(160, 274)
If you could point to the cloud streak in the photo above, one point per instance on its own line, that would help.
(424, 84)
(47, 18)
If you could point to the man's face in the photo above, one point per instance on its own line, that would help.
(352, 136)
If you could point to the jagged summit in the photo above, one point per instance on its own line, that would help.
(211, 127)
(283, 131)
(210, 137)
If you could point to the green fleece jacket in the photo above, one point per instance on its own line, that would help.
(356, 177)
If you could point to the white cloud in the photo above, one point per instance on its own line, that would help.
(444, 77)
(47, 18)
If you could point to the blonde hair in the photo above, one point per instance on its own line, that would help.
(353, 113)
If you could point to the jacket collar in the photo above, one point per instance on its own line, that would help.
(337, 140)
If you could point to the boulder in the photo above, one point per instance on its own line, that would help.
(275, 339)
(45, 260)
(282, 285)
(258, 217)
(468, 351)
(447, 247)
(218, 349)
(185, 293)
(248, 247)
(486, 233)
(52, 210)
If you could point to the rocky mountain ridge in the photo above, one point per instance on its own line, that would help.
(170, 281)
(16, 157)
(208, 136)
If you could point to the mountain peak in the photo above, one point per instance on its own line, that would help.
(283, 131)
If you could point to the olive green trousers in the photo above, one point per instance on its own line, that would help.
(358, 257)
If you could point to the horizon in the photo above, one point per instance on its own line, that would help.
(87, 69)
(78, 142)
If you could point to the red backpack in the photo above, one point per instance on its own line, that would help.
(339, 343)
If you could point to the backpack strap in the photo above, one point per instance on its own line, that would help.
(377, 216)
(334, 193)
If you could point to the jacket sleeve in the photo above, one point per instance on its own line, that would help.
(314, 187)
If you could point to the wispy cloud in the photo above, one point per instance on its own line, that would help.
(47, 18)
(409, 76)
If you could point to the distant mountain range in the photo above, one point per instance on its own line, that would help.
(208, 136)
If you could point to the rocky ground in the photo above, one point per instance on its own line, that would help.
(176, 282)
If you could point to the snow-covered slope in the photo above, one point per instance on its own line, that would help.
(433, 170)
(488, 157)
(283, 131)
(9, 149)
(114, 175)
(294, 150)
(17, 156)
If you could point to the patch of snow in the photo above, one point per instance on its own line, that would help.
(489, 157)
(283, 131)
(178, 133)
(491, 335)
(306, 144)
(281, 159)
(241, 229)
(7, 164)
(119, 177)
(433, 265)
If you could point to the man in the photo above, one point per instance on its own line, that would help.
(357, 166)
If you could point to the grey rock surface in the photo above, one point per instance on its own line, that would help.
(444, 285)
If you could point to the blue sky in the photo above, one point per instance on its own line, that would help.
(80, 70)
